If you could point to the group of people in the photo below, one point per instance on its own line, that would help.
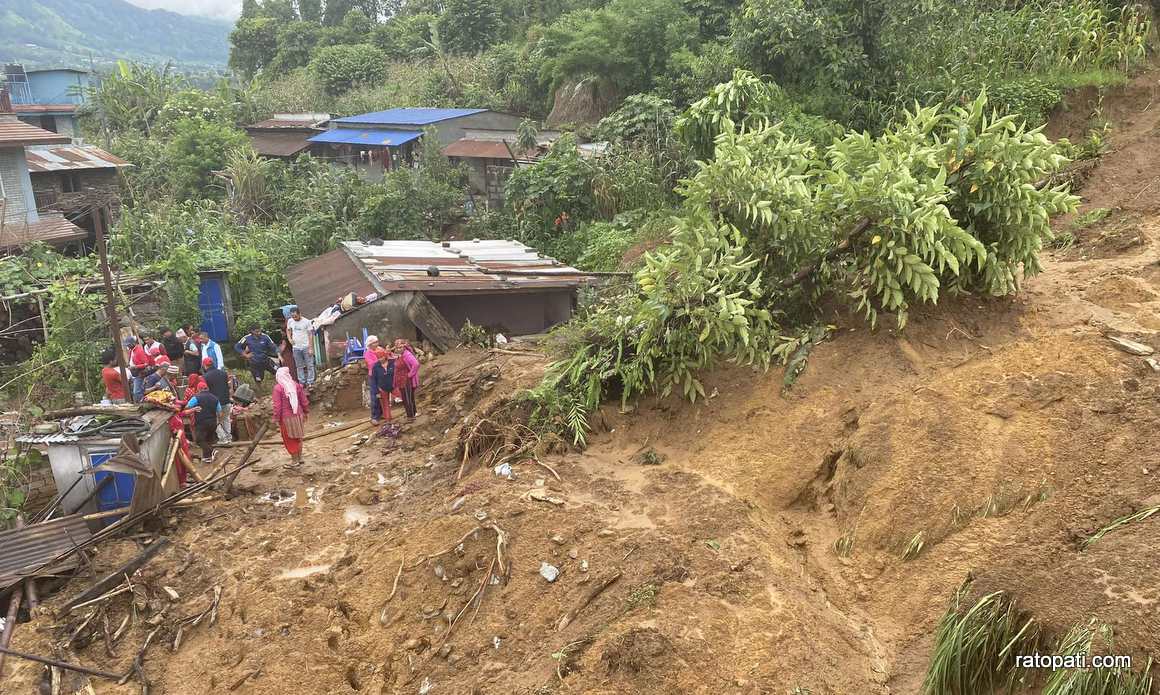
(392, 377)
(204, 403)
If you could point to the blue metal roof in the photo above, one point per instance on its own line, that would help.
(409, 116)
(373, 138)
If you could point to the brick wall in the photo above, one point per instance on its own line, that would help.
(41, 488)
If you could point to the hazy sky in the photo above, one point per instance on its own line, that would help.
(224, 9)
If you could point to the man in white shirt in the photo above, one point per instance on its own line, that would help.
(301, 334)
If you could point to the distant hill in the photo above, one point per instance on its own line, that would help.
(78, 33)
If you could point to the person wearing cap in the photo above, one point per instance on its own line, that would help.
(162, 376)
(218, 382)
(259, 352)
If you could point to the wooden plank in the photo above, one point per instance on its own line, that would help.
(431, 323)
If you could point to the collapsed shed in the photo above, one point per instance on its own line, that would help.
(427, 290)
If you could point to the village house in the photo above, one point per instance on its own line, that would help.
(21, 222)
(47, 99)
(287, 135)
(67, 176)
(375, 143)
(490, 157)
(427, 290)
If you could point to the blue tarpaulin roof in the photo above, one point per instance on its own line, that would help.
(409, 116)
(373, 138)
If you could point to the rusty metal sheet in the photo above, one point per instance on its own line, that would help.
(319, 282)
(46, 158)
(14, 133)
(468, 148)
(22, 551)
(50, 230)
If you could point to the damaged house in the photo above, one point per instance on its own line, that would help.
(428, 290)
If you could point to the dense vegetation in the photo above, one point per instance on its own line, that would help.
(773, 153)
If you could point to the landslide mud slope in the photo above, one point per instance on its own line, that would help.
(990, 439)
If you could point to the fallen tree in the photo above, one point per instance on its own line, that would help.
(947, 200)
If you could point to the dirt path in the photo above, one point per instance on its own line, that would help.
(800, 542)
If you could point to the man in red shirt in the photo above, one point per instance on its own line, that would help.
(139, 365)
(111, 375)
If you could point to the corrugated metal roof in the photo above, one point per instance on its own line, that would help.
(14, 133)
(54, 438)
(50, 229)
(409, 116)
(43, 158)
(463, 266)
(319, 282)
(22, 551)
(372, 138)
(305, 120)
(487, 266)
(280, 144)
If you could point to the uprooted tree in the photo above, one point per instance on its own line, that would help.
(948, 200)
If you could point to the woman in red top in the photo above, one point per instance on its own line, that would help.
(114, 387)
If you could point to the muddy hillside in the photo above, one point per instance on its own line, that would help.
(759, 541)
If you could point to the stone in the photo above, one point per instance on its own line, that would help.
(1131, 347)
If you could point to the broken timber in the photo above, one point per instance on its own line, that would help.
(117, 577)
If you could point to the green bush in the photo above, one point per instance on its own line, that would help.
(415, 202)
(339, 68)
(197, 149)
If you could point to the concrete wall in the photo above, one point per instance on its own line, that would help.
(456, 128)
(385, 317)
(20, 204)
(57, 86)
(510, 313)
(65, 125)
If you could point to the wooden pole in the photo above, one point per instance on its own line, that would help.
(61, 664)
(10, 622)
(110, 303)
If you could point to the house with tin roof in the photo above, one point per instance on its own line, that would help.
(21, 222)
(47, 98)
(287, 135)
(375, 143)
(425, 290)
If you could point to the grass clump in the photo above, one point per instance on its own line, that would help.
(1091, 681)
(1119, 523)
(644, 595)
(915, 546)
(974, 649)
